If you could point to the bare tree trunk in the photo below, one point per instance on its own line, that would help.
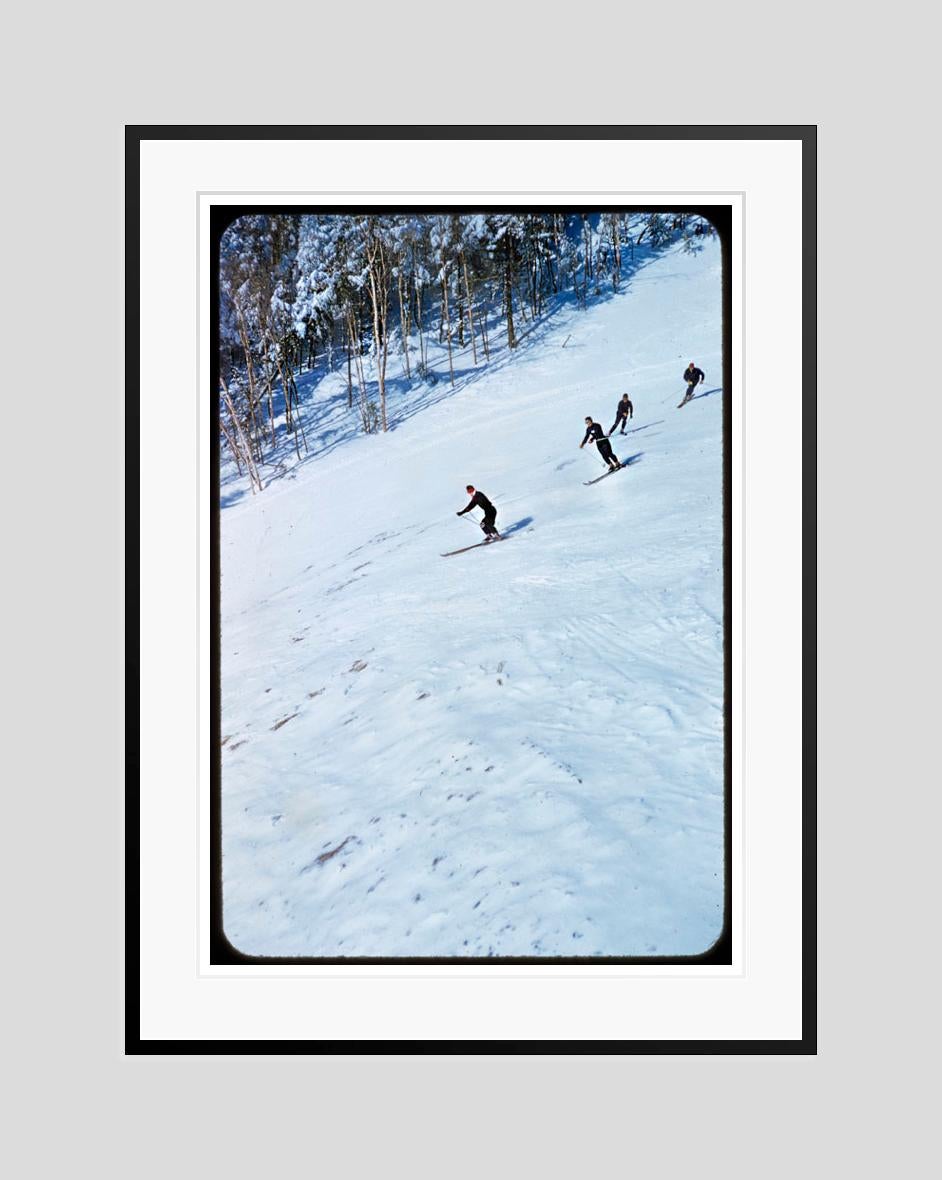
(423, 346)
(379, 297)
(300, 420)
(467, 294)
(349, 374)
(404, 324)
(230, 443)
(286, 384)
(446, 319)
(250, 376)
(587, 251)
(301, 425)
(283, 365)
(265, 334)
(271, 400)
(254, 478)
(362, 397)
(509, 291)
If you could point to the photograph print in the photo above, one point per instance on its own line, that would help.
(471, 579)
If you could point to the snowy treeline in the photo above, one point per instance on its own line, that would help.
(350, 291)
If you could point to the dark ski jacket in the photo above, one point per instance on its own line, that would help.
(594, 432)
(624, 408)
(479, 500)
(693, 375)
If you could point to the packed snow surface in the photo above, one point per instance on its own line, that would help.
(518, 750)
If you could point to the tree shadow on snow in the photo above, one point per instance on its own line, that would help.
(227, 499)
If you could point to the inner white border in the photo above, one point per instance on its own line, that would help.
(586, 970)
(181, 995)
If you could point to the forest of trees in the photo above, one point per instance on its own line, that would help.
(347, 290)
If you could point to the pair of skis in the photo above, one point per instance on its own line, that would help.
(611, 471)
(480, 544)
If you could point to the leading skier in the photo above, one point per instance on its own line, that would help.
(595, 433)
(693, 376)
(479, 500)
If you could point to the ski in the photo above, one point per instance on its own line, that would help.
(479, 545)
(588, 482)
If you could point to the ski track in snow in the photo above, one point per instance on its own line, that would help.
(516, 751)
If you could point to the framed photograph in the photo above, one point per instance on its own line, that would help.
(401, 786)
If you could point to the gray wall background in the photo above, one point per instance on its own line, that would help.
(78, 75)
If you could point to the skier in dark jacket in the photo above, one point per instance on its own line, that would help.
(595, 433)
(693, 376)
(479, 500)
(623, 411)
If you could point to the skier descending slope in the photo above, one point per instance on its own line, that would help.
(693, 376)
(479, 500)
(623, 411)
(595, 433)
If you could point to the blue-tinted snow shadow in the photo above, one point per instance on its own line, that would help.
(696, 397)
(517, 526)
(631, 460)
(227, 499)
(647, 426)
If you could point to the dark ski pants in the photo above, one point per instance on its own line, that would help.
(623, 419)
(605, 450)
(690, 388)
(487, 524)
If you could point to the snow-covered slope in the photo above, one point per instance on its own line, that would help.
(513, 751)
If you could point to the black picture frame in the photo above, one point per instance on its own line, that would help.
(134, 136)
